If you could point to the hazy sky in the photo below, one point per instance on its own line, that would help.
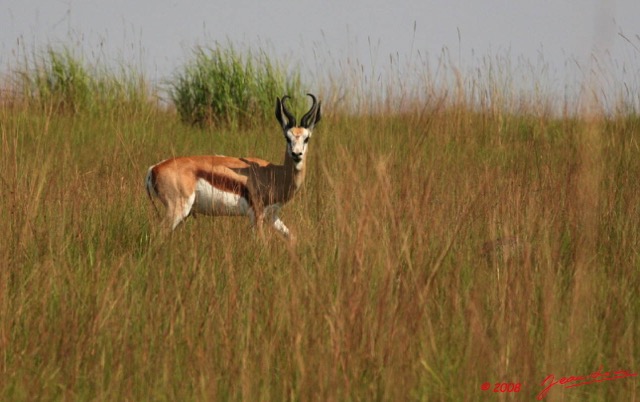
(157, 35)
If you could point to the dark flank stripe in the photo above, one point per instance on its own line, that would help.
(225, 183)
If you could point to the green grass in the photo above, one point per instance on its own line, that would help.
(223, 86)
(61, 81)
(438, 248)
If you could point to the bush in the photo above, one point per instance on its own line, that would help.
(223, 86)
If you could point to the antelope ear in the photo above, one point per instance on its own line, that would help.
(279, 115)
(284, 117)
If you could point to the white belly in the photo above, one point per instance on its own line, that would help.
(212, 201)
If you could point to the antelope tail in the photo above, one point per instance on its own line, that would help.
(150, 186)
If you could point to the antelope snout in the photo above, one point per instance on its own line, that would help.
(297, 156)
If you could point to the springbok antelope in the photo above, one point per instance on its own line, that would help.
(228, 186)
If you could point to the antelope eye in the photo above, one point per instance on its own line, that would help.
(306, 140)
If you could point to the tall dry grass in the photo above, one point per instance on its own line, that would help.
(441, 245)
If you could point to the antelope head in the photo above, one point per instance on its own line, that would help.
(297, 136)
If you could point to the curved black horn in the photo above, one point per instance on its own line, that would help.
(311, 117)
(290, 117)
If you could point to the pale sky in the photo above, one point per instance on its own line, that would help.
(157, 35)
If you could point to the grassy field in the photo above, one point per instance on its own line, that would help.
(440, 246)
